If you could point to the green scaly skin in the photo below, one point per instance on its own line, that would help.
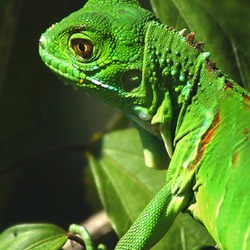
(166, 84)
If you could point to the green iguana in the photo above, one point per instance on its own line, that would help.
(183, 106)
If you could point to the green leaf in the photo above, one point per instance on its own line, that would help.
(33, 237)
(223, 26)
(126, 185)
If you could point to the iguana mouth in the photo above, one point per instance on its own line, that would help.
(68, 71)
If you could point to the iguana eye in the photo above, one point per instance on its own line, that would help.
(82, 47)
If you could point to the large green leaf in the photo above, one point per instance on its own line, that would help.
(33, 237)
(223, 26)
(125, 186)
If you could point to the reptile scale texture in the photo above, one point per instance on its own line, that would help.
(183, 107)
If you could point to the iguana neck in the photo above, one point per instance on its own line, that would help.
(171, 67)
(187, 89)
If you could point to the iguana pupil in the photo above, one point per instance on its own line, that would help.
(82, 48)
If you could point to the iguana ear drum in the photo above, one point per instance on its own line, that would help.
(131, 79)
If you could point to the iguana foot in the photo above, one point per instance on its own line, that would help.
(85, 237)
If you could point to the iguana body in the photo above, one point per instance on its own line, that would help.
(169, 87)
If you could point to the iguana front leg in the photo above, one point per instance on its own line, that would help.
(155, 220)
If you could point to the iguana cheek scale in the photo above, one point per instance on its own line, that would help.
(182, 104)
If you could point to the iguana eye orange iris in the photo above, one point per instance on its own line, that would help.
(82, 47)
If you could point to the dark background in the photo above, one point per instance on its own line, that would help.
(37, 112)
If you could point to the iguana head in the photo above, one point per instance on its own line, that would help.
(100, 48)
